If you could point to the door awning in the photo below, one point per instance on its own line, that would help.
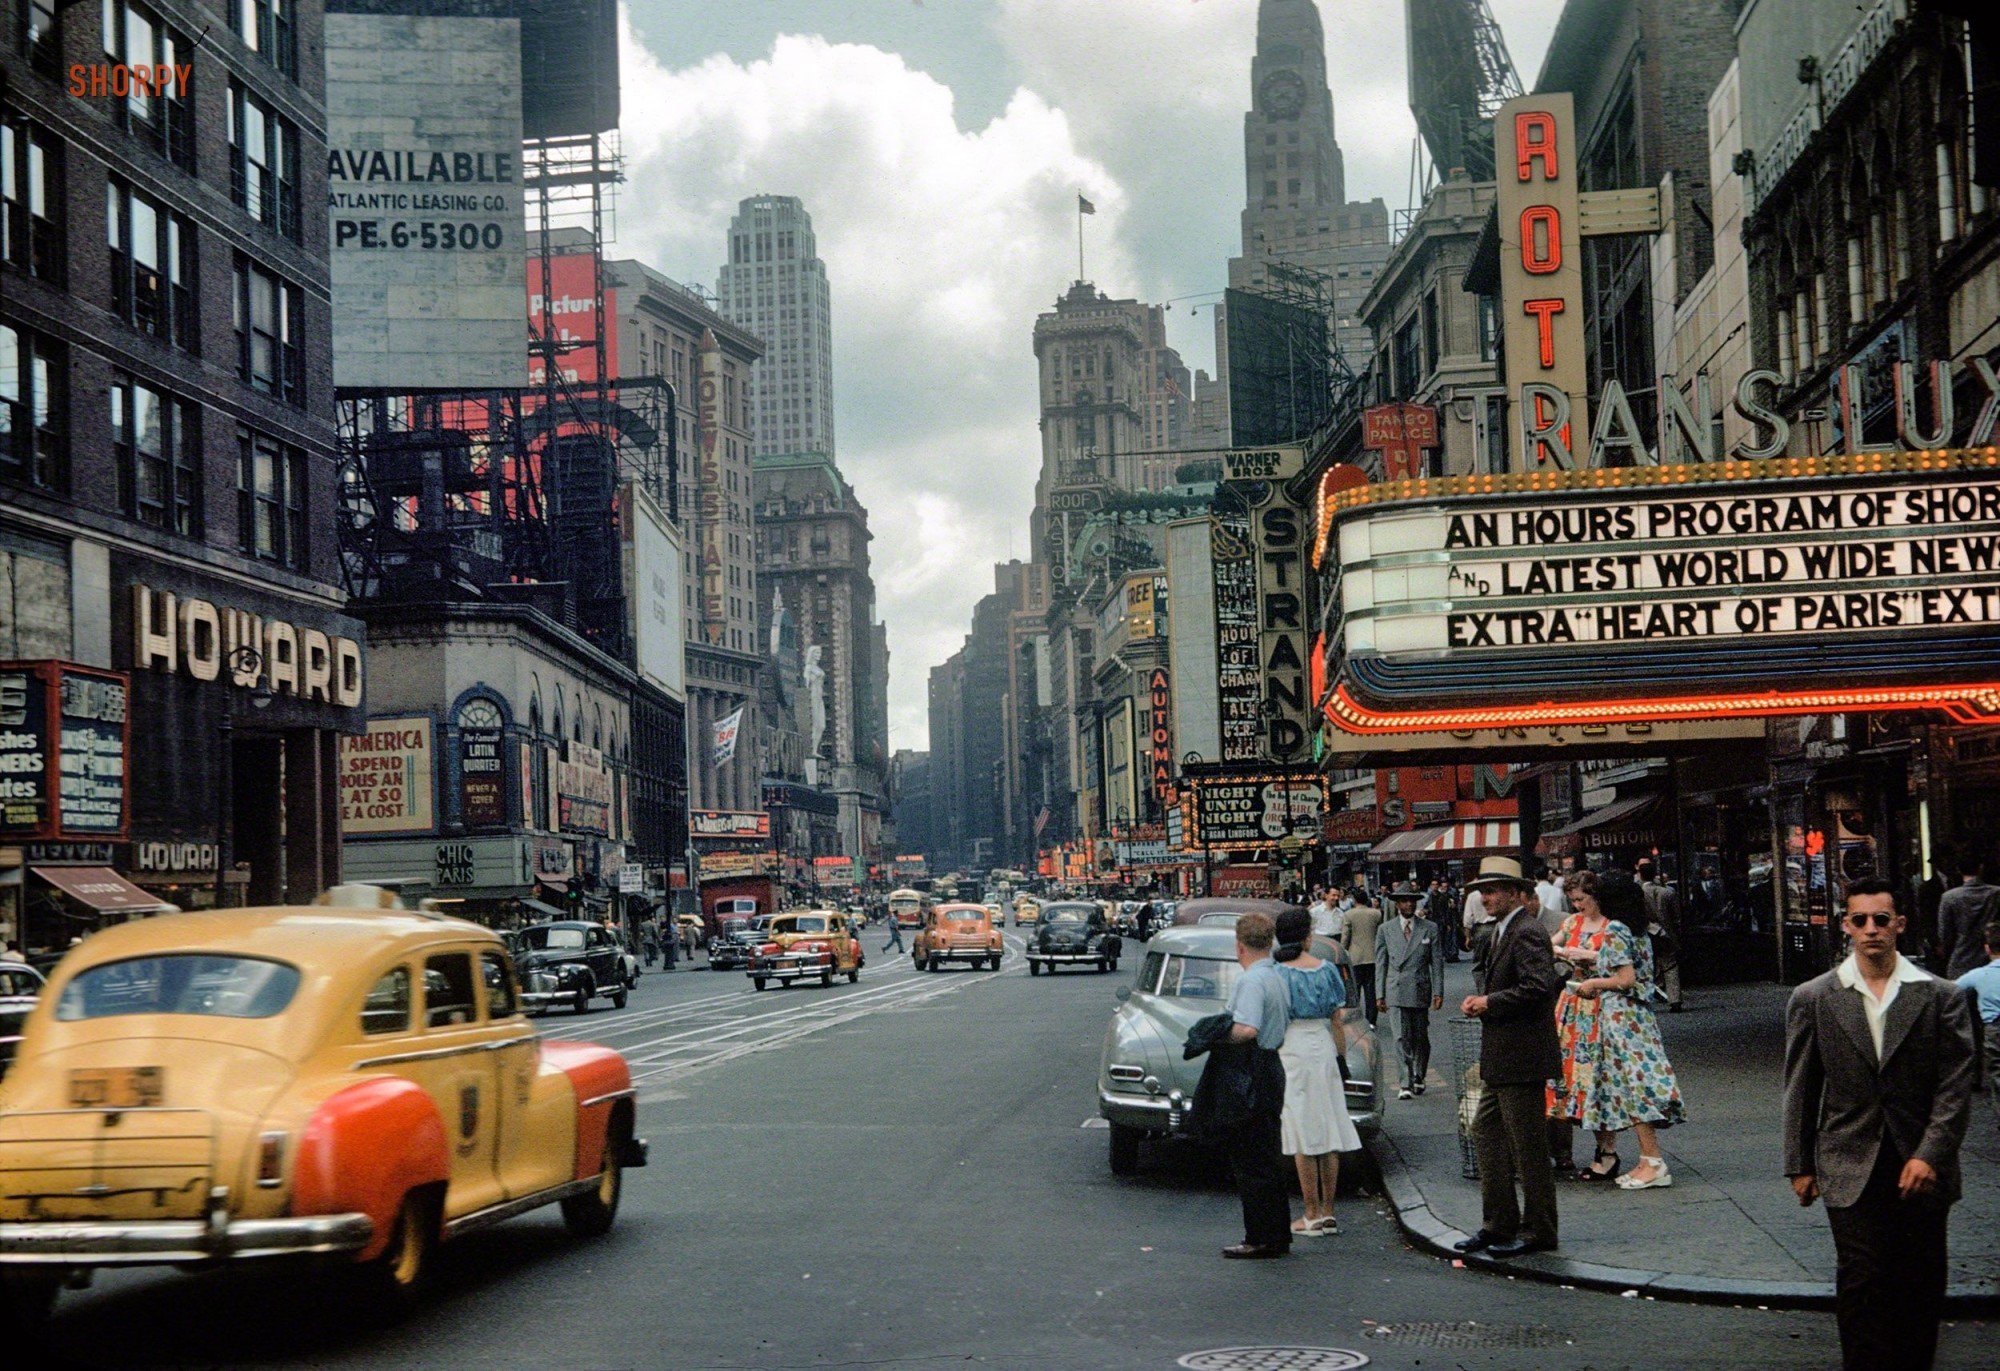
(1467, 837)
(547, 911)
(1631, 822)
(101, 888)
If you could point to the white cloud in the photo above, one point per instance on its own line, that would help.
(941, 245)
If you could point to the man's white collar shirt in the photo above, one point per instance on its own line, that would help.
(1849, 974)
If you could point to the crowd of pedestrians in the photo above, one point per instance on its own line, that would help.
(1882, 1060)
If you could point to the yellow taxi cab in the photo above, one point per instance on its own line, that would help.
(807, 944)
(1027, 910)
(246, 1083)
(957, 933)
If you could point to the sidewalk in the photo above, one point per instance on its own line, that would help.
(1729, 1229)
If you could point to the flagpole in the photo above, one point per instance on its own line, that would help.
(1079, 238)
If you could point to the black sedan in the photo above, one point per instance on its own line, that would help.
(20, 987)
(569, 962)
(1073, 933)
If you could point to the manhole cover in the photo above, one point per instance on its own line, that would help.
(1273, 1359)
(1432, 1334)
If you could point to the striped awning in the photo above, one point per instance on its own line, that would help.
(1467, 837)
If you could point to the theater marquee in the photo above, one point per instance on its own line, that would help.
(1711, 590)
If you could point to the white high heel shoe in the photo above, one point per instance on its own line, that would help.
(1661, 1179)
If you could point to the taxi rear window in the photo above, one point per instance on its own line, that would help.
(181, 983)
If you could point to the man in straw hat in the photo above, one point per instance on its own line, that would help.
(1518, 1054)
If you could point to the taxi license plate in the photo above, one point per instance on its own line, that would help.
(125, 1087)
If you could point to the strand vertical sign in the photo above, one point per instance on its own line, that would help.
(1285, 703)
(1541, 277)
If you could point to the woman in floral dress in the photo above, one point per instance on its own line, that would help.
(1615, 1073)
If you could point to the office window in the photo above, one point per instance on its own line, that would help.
(33, 450)
(158, 442)
(265, 26)
(270, 499)
(263, 162)
(135, 36)
(268, 326)
(152, 266)
(30, 230)
(41, 35)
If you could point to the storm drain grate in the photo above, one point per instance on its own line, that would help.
(1434, 1334)
(1274, 1359)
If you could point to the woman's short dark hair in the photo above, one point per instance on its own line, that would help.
(1293, 928)
(1620, 898)
(1583, 880)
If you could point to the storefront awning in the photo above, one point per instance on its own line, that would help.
(1622, 823)
(1468, 837)
(547, 911)
(101, 888)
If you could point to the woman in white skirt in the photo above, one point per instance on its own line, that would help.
(1315, 1127)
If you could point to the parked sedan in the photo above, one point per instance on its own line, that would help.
(358, 1085)
(1144, 1085)
(1073, 933)
(20, 987)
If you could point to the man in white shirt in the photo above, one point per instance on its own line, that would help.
(1478, 925)
(1322, 914)
(1879, 1077)
(1550, 892)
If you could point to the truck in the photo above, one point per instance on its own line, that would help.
(736, 897)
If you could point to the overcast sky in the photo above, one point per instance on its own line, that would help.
(939, 146)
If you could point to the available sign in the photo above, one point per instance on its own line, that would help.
(386, 777)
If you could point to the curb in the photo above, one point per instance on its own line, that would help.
(1431, 1234)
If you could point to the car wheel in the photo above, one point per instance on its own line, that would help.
(619, 996)
(854, 975)
(590, 1214)
(1034, 967)
(581, 1004)
(826, 978)
(757, 981)
(1124, 1149)
(394, 1282)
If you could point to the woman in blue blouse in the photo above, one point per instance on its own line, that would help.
(1315, 1127)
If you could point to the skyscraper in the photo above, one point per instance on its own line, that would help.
(774, 285)
(1295, 205)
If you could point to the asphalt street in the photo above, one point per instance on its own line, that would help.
(899, 1173)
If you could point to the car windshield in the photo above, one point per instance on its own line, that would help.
(806, 923)
(1188, 978)
(553, 939)
(181, 983)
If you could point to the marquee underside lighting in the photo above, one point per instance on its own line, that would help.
(1966, 704)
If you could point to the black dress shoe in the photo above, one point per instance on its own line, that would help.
(1478, 1242)
(1519, 1247)
(1256, 1251)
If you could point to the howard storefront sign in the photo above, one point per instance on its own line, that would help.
(1867, 581)
(185, 635)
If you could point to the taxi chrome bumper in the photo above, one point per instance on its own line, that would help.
(1153, 1113)
(1066, 956)
(212, 1238)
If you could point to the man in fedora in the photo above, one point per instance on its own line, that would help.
(1411, 956)
(1518, 1054)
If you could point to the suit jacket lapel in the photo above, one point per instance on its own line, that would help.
(1854, 1019)
(1896, 1023)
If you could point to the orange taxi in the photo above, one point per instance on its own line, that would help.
(249, 1083)
(957, 933)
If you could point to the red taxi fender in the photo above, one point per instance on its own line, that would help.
(364, 1149)
(601, 1080)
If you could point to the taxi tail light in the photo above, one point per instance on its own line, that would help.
(270, 1160)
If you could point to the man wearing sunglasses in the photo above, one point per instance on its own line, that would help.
(1879, 1077)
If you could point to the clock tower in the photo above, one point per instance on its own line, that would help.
(1295, 205)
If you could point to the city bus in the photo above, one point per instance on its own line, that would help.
(907, 907)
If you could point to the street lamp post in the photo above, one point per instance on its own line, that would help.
(242, 660)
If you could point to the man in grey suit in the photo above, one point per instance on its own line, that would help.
(1518, 1054)
(1409, 966)
(1879, 1077)
(1358, 935)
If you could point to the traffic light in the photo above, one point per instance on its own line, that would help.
(573, 894)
